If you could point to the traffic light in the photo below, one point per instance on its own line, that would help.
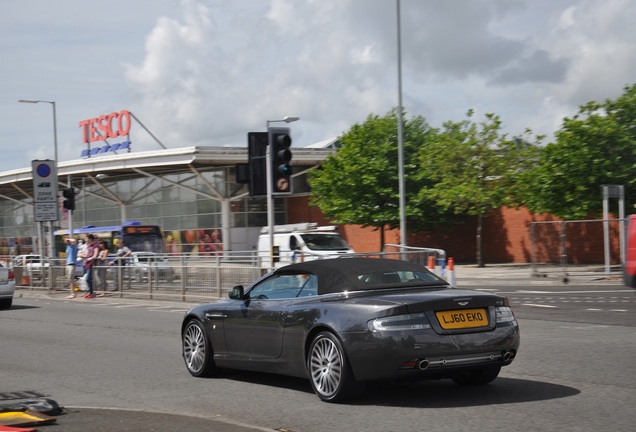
(257, 168)
(280, 142)
(69, 198)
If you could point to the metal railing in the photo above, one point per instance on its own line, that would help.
(579, 248)
(184, 278)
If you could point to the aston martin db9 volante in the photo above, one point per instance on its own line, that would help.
(342, 322)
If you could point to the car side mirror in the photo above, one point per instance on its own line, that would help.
(237, 293)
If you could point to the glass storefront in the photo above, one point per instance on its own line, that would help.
(185, 205)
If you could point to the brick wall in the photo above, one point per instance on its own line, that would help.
(506, 236)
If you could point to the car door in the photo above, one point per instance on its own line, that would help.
(255, 328)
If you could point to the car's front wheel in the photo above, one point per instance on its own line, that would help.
(478, 376)
(329, 370)
(197, 350)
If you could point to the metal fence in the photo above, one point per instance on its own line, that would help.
(581, 248)
(187, 278)
(178, 278)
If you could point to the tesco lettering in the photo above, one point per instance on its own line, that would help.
(113, 125)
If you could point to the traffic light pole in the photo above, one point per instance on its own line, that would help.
(270, 199)
(270, 187)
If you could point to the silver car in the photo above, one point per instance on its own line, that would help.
(32, 265)
(7, 286)
(143, 264)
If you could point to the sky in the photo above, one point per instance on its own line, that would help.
(207, 72)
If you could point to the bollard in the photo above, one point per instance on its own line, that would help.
(450, 273)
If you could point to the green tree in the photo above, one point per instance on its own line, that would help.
(474, 168)
(595, 147)
(359, 183)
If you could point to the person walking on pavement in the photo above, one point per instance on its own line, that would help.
(101, 265)
(71, 260)
(89, 262)
(121, 256)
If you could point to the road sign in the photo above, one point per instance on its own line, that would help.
(45, 202)
(46, 212)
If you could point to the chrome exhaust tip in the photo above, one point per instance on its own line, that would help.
(508, 356)
(423, 364)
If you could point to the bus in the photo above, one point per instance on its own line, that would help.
(138, 237)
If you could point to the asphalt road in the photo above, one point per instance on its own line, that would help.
(591, 304)
(116, 365)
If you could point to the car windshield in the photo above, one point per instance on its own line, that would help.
(322, 242)
(399, 277)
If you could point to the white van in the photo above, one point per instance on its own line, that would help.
(301, 242)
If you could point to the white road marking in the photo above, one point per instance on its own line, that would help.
(538, 305)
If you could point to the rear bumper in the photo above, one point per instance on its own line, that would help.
(430, 355)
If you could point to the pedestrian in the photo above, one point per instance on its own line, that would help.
(121, 257)
(101, 265)
(89, 262)
(71, 260)
(81, 252)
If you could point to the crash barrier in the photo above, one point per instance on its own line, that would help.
(190, 278)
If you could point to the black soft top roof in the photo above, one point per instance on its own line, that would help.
(341, 274)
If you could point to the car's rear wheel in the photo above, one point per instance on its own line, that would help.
(478, 376)
(329, 370)
(197, 350)
(6, 303)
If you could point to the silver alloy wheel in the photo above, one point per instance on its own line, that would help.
(326, 365)
(194, 347)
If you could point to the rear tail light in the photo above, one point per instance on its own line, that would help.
(11, 275)
(417, 321)
(504, 314)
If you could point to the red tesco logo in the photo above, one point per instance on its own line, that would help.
(113, 125)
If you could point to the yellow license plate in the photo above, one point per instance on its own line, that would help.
(466, 318)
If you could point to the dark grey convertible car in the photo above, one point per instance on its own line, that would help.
(341, 322)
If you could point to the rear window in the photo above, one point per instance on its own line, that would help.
(398, 277)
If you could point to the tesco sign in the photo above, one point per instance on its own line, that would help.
(113, 125)
(107, 126)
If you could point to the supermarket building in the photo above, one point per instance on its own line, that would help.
(191, 192)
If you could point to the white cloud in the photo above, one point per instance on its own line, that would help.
(201, 72)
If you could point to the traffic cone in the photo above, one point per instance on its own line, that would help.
(431, 263)
(25, 281)
(450, 273)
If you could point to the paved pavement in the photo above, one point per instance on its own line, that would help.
(468, 276)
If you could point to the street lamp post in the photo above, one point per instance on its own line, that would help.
(70, 223)
(54, 120)
(270, 197)
(402, 187)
